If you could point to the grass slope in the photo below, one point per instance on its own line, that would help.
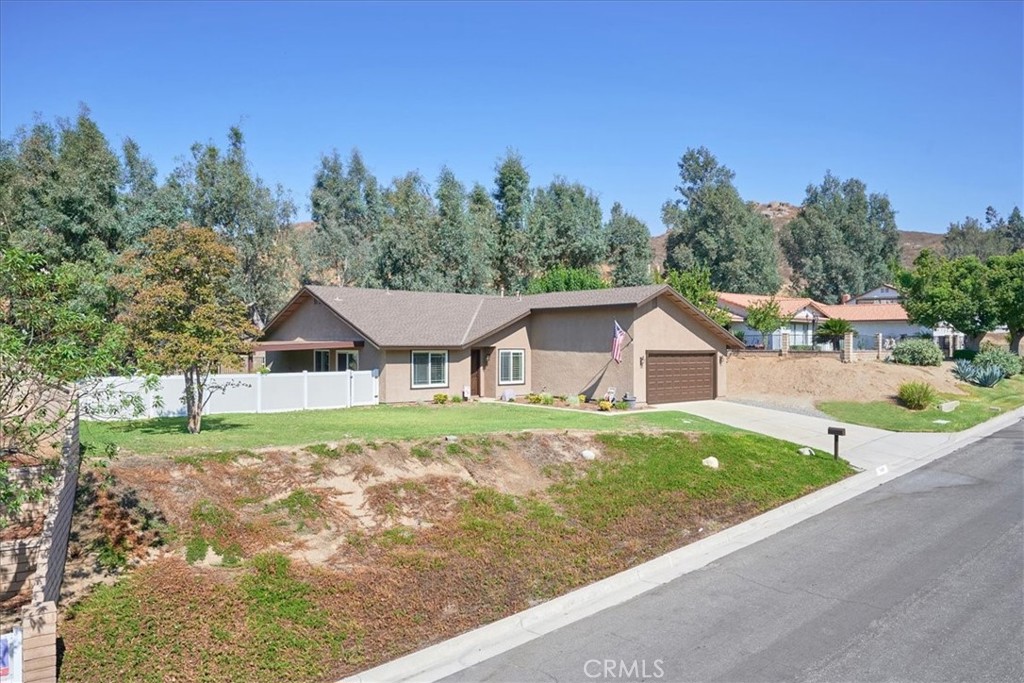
(980, 405)
(234, 431)
(494, 554)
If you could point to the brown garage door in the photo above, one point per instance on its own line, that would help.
(680, 377)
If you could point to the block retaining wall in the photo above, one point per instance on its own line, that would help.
(35, 567)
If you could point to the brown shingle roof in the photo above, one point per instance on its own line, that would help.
(390, 318)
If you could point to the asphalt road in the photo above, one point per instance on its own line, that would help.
(920, 579)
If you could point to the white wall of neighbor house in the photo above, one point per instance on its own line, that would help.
(663, 326)
(889, 329)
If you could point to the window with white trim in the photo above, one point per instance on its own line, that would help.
(321, 360)
(348, 360)
(512, 366)
(429, 369)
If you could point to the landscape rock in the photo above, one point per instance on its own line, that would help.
(806, 451)
(949, 406)
(711, 462)
(940, 422)
(451, 439)
(588, 455)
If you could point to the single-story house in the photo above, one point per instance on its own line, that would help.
(424, 343)
(870, 314)
(883, 294)
(801, 311)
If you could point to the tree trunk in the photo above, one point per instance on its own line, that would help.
(973, 341)
(193, 405)
(1015, 339)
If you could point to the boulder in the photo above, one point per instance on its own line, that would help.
(711, 462)
(806, 451)
(451, 439)
(949, 406)
(588, 455)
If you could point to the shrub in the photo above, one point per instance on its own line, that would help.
(533, 398)
(621, 405)
(916, 395)
(965, 370)
(440, 399)
(547, 399)
(988, 376)
(604, 405)
(456, 398)
(964, 354)
(995, 357)
(917, 352)
(582, 398)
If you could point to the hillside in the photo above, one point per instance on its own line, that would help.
(912, 242)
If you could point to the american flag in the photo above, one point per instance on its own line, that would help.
(619, 336)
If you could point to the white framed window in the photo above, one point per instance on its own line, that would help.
(321, 360)
(512, 366)
(429, 369)
(348, 360)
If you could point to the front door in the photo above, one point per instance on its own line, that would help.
(474, 372)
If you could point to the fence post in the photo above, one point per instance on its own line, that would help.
(350, 395)
(846, 352)
(305, 389)
(878, 345)
(259, 392)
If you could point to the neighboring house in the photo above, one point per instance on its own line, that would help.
(424, 343)
(802, 314)
(885, 294)
(882, 316)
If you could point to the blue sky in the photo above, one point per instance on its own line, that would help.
(922, 101)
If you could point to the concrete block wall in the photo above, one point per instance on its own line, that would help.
(36, 566)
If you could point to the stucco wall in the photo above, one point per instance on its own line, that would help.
(312, 321)
(888, 329)
(396, 380)
(515, 337)
(571, 351)
(663, 326)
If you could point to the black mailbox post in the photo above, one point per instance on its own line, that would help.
(836, 432)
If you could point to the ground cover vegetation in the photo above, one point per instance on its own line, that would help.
(315, 563)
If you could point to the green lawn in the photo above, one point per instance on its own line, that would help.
(238, 431)
(980, 405)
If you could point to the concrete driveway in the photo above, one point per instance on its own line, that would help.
(866, 448)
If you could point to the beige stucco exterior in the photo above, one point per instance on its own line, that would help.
(572, 351)
(663, 326)
(566, 351)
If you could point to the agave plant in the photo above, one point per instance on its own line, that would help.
(988, 376)
(965, 370)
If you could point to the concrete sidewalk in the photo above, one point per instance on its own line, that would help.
(881, 455)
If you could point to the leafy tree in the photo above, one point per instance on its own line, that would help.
(766, 316)
(565, 226)
(404, 258)
(1006, 282)
(347, 211)
(144, 204)
(710, 225)
(629, 248)
(843, 241)
(562, 279)
(459, 251)
(1013, 230)
(695, 285)
(182, 312)
(224, 194)
(970, 238)
(483, 222)
(48, 345)
(954, 291)
(512, 251)
(833, 330)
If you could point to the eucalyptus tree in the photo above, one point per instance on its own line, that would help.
(629, 248)
(512, 249)
(710, 225)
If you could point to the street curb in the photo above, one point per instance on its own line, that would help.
(463, 651)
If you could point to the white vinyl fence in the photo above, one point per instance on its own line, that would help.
(249, 393)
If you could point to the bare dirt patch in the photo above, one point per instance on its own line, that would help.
(805, 380)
